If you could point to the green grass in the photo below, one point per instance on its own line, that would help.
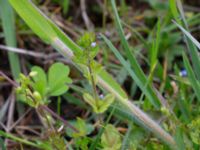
(8, 23)
(155, 106)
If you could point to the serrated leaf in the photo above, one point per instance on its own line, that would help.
(40, 80)
(105, 103)
(58, 79)
(84, 128)
(111, 139)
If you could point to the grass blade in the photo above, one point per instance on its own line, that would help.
(194, 82)
(192, 39)
(191, 47)
(7, 16)
(17, 139)
(139, 74)
(145, 88)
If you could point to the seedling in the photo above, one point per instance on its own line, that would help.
(85, 59)
(36, 88)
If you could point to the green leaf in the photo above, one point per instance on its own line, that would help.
(40, 80)
(58, 79)
(194, 130)
(83, 128)
(111, 139)
(91, 101)
(35, 19)
(8, 24)
(106, 102)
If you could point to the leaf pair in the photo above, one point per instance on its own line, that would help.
(37, 87)
(99, 105)
(53, 84)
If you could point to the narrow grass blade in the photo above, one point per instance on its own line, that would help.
(194, 82)
(139, 74)
(17, 139)
(145, 88)
(155, 47)
(174, 11)
(7, 16)
(34, 19)
(3, 146)
(188, 35)
(191, 47)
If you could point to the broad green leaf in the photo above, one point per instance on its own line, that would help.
(58, 79)
(40, 80)
(35, 19)
(83, 128)
(111, 139)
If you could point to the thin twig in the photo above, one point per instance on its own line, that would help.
(21, 117)
(58, 117)
(86, 19)
(10, 113)
(28, 52)
(15, 84)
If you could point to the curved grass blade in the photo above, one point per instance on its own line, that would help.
(17, 139)
(190, 42)
(139, 74)
(192, 39)
(194, 82)
(8, 23)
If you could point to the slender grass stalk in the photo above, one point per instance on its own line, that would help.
(7, 16)
(66, 47)
(17, 139)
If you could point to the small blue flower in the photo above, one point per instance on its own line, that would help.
(183, 73)
(93, 44)
(101, 96)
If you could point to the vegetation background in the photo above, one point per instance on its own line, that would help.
(55, 92)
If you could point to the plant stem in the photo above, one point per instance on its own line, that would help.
(58, 117)
(93, 85)
(92, 80)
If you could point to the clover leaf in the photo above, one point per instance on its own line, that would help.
(40, 80)
(58, 79)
